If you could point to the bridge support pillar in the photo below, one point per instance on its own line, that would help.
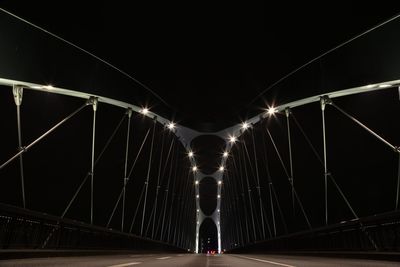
(18, 92)
(323, 101)
(93, 101)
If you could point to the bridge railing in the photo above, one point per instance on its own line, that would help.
(24, 229)
(352, 235)
(138, 187)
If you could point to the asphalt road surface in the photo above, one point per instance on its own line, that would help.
(193, 260)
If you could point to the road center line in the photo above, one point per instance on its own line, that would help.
(163, 258)
(261, 260)
(125, 264)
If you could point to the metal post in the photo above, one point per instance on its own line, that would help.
(18, 93)
(287, 175)
(258, 186)
(93, 102)
(269, 180)
(186, 208)
(197, 228)
(197, 234)
(398, 184)
(37, 140)
(127, 176)
(173, 197)
(235, 207)
(394, 148)
(148, 177)
(163, 175)
(219, 221)
(249, 193)
(321, 161)
(272, 207)
(178, 204)
(186, 191)
(243, 197)
(166, 195)
(129, 112)
(323, 102)
(287, 113)
(158, 184)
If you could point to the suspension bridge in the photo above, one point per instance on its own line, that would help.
(87, 174)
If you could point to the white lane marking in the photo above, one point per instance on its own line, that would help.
(271, 262)
(125, 264)
(163, 258)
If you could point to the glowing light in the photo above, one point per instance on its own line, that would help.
(221, 168)
(190, 154)
(196, 182)
(198, 210)
(232, 139)
(198, 222)
(48, 87)
(218, 210)
(384, 85)
(197, 196)
(194, 168)
(226, 154)
(171, 126)
(144, 111)
(245, 126)
(219, 182)
(272, 111)
(219, 196)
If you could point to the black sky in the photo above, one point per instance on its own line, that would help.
(208, 61)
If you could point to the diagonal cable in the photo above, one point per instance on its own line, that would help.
(288, 176)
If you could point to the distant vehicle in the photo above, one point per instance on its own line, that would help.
(212, 252)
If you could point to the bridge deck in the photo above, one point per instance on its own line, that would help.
(195, 260)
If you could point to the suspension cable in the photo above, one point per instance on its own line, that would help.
(258, 185)
(322, 55)
(148, 177)
(137, 209)
(248, 188)
(127, 180)
(269, 180)
(364, 229)
(236, 195)
(294, 190)
(95, 163)
(243, 196)
(167, 194)
(140, 150)
(26, 148)
(158, 183)
(364, 127)
(90, 54)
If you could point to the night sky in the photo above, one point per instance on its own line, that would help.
(209, 65)
(214, 51)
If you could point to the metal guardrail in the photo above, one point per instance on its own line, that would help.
(25, 229)
(354, 235)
